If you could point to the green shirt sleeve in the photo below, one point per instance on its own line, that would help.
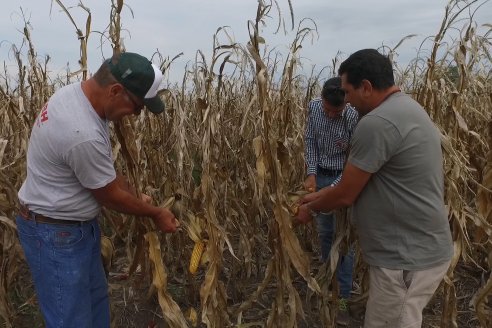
(374, 142)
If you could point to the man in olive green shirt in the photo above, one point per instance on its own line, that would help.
(394, 180)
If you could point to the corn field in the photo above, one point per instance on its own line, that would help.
(227, 157)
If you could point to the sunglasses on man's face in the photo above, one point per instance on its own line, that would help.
(137, 105)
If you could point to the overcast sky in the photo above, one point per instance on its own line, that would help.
(185, 26)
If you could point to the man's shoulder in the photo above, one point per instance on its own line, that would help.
(374, 121)
(315, 105)
(66, 102)
(316, 102)
(351, 112)
(67, 90)
(73, 121)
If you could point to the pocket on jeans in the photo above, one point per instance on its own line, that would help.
(25, 227)
(66, 236)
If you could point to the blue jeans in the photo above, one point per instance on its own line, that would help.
(66, 267)
(326, 230)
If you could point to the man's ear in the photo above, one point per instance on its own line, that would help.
(114, 89)
(366, 87)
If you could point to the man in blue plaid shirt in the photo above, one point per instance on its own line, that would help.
(328, 131)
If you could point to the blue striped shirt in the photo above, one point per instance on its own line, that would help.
(327, 139)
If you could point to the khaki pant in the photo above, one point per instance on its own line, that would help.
(397, 297)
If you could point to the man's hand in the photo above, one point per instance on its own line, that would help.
(309, 198)
(310, 183)
(304, 215)
(146, 198)
(166, 221)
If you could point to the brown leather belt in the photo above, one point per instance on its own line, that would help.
(30, 215)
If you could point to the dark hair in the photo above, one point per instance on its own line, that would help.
(370, 65)
(332, 91)
(103, 76)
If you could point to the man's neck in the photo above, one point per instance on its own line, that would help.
(93, 92)
(381, 95)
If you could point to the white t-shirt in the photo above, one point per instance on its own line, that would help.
(69, 153)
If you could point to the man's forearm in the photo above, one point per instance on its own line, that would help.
(127, 203)
(118, 198)
(311, 169)
(342, 195)
(329, 199)
(311, 157)
(124, 184)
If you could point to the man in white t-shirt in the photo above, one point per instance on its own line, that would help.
(70, 175)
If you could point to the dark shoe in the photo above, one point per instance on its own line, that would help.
(343, 317)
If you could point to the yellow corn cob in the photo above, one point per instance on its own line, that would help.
(294, 209)
(196, 256)
(192, 316)
(107, 251)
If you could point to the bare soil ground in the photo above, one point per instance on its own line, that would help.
(133, 306)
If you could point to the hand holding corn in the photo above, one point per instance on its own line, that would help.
(165, 220)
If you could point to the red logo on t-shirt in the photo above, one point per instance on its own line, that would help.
(44, 113)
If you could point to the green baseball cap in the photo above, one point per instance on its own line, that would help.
(142, 78)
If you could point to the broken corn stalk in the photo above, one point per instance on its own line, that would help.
(196, 255)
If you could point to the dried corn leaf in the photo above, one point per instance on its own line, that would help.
(170, 309)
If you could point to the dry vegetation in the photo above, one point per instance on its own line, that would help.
(227, 156)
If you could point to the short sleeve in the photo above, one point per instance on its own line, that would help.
(374, 142)
(92, 164)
